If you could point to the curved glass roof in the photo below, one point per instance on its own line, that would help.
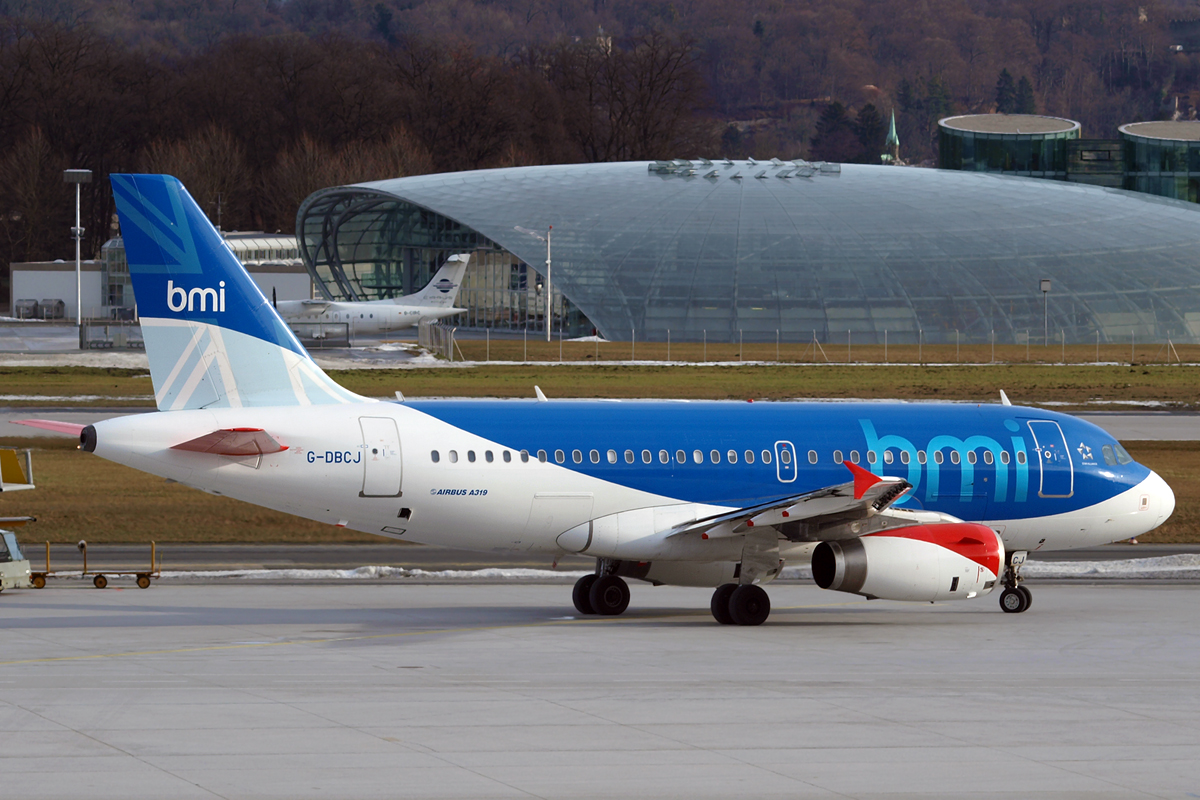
(714, 249)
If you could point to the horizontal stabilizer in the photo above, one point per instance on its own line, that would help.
(51, 425)
(233, 442)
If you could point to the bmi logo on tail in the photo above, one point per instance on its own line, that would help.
(187, 300)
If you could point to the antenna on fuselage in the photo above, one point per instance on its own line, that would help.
(1004, 401)
(538, 391)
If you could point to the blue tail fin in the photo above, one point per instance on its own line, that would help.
(212, 338)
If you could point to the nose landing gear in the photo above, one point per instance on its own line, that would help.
(1015, 599)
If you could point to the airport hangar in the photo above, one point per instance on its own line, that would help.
(721, 250)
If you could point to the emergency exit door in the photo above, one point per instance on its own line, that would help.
(382, 467)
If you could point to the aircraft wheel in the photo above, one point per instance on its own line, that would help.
(720, 603)
(609, 596)
(749, 605)
(99, 581)
(39, 581)
(579, 595)
(1013, 601)
(1028, 596)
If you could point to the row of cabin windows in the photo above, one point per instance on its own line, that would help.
(731, 456)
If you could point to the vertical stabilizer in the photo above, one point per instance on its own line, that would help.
(212, 338)
(442, 290)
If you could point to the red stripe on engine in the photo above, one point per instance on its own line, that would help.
(970, 540)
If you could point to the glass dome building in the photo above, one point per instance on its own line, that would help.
(728, 249)
(1163, 158)
(1019, 144)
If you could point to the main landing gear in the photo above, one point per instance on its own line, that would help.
(1015, 599)
(740, 605)
(606, 595)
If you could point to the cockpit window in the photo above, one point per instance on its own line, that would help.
(1123, 456)
(1109, 458)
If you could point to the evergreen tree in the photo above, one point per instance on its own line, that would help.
(870, 130)
(835, 139)
(1025, 102)
(1006, 95)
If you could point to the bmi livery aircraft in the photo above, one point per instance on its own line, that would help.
(433, 302)
(899, 501)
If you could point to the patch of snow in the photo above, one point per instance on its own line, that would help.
(376, 572)
(72, 398)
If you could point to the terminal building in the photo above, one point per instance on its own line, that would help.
(752, 250)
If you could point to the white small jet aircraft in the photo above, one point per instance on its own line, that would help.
(942, 501)
(433, 302)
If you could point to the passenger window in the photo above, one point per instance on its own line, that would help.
(577, 456)
(697, 456)
(560, 456)
(921, 457)
(1123, 456)
(680, 456)
(1003, 456)
(612, 456)
(471, 456)
(525, 457)
(436, 458)
(1109, 458)
(1021, 457)
(812, 456)
(887, 456)
(905, 457)
(938, 457)
(628, 456)
(664, 457)
(954, 457)
(715, 456)
(507, 457)
(594, 455)
(749, 456)
(854, 456)
(766, 456)
(487, 456)
(542, 456)
(871, 457)
(971, 457)
(988, 458)
(837, 456)
(732, 456)
(646, 458)
(453, 456)
(785, 456)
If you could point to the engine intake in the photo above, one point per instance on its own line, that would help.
(922, 563)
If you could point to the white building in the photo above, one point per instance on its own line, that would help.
(273, 261)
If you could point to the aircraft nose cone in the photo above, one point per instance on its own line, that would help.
(1160, 496)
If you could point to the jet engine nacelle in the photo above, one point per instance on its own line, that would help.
(951, 561)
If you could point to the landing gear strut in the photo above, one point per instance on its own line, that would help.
(1015, 599)
(740, 605)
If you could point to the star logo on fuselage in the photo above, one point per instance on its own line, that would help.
(1085, 451)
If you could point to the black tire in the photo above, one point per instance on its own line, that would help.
(1013, 601)
(1028, 597)
(99, 581)
(579, 595)
(143, 581)
(609, 596)
(749, 605)
(720, 603)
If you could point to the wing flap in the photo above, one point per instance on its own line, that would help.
(233, 442)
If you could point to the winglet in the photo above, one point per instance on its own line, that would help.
(863, 479)
(1004, 401)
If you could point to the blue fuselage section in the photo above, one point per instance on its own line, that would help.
(976, 462)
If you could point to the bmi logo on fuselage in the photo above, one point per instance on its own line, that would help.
(180, 299)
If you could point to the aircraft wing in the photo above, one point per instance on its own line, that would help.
(867, 493)
(233, 442)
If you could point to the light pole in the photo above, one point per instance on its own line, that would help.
(1045, 312)
(545, 239)
(77, 177)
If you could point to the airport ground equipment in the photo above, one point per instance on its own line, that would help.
(100, 577)
(14, 567)
(14, 476)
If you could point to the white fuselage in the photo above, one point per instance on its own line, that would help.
(364, 318)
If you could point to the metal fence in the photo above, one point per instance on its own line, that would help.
(111, 336)
(437, 339)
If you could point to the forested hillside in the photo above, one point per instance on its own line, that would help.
(256, 104)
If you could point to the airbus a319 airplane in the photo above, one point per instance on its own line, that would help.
(433, 302)
(919, 502)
